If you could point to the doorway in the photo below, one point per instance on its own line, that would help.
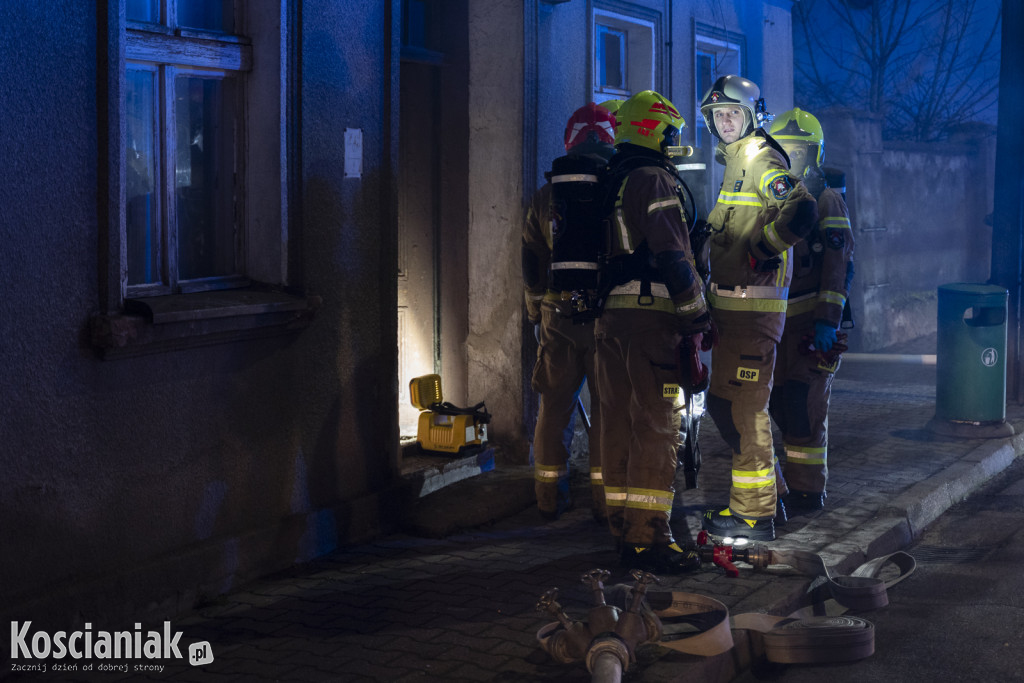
(432, 200)
(419, 352)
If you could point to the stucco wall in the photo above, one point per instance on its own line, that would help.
(136, 486)
(919, 217)
(495, 217)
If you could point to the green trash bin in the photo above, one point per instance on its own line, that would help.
(970, 381)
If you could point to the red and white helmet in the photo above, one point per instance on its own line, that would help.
(590, 122)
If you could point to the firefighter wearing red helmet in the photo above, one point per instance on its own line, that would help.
(761, 212)
(655, 298)
(822, 272)
(565, 353)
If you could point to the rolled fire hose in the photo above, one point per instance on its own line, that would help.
(816, 634)
(819, 633)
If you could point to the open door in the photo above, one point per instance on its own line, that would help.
(432, 205)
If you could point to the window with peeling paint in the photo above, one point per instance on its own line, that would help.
(193, 186)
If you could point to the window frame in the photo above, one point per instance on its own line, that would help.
(203, 54)
(713, 42)
(127, 325)
(641, 68)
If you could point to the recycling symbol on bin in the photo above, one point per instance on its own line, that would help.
(989, 357)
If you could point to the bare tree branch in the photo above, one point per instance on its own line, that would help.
(921, 64)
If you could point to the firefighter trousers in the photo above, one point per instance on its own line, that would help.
(741, 382)
(638, 383)
(799, 405)
(565, 358)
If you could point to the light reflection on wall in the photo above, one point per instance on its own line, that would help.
(415, 358)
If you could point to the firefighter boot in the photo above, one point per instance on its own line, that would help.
(563, 503)
(724, 524)
(660, 559)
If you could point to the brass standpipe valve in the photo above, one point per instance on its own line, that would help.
(571, 642)
(607, 642)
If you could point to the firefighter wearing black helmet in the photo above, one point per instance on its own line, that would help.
(761, 212)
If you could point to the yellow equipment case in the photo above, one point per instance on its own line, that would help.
(443, 427)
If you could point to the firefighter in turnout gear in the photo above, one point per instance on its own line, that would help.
(762, 211)
(822, 272)
(655, 298)
(565, 353)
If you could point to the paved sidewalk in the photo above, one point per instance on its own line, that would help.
(462, 607)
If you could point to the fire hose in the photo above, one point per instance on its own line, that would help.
(699, 625)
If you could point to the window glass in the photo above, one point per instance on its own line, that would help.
(143, 10)
(611, 54)
(204, 176)
(421, 24)
(143, 236)
(211, 15)
(623, 53)
(717, 53)
(705, 77)
(184, 155)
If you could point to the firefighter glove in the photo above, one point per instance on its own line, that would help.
(693, 374)
(696, 325)
(765, 266)
(824, 336)
(710, 338)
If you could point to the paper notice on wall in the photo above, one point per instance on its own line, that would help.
(353, 152)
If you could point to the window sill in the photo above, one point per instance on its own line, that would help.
(181, 321)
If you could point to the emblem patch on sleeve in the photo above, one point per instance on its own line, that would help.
(835, 238)
(781, 187)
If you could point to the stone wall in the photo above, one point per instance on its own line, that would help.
(921, 218)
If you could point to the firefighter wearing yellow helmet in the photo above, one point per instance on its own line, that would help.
(612, 105)
(761, 212)
(565, 351)
(822, 271)
(656, 298)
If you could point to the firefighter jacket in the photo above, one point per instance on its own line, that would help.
(650, 236)
(761, 212)
(536, 251)
(823, 265)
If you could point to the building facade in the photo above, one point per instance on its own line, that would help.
(261, 221)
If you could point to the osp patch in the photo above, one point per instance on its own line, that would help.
(829, 367)
(747, 374)
(670, 391)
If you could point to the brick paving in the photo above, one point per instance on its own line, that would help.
(463, 607)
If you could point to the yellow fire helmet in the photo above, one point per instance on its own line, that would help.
(648, 119)
(611, 105)
(796, 126)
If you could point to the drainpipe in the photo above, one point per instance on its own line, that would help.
(907, 358)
